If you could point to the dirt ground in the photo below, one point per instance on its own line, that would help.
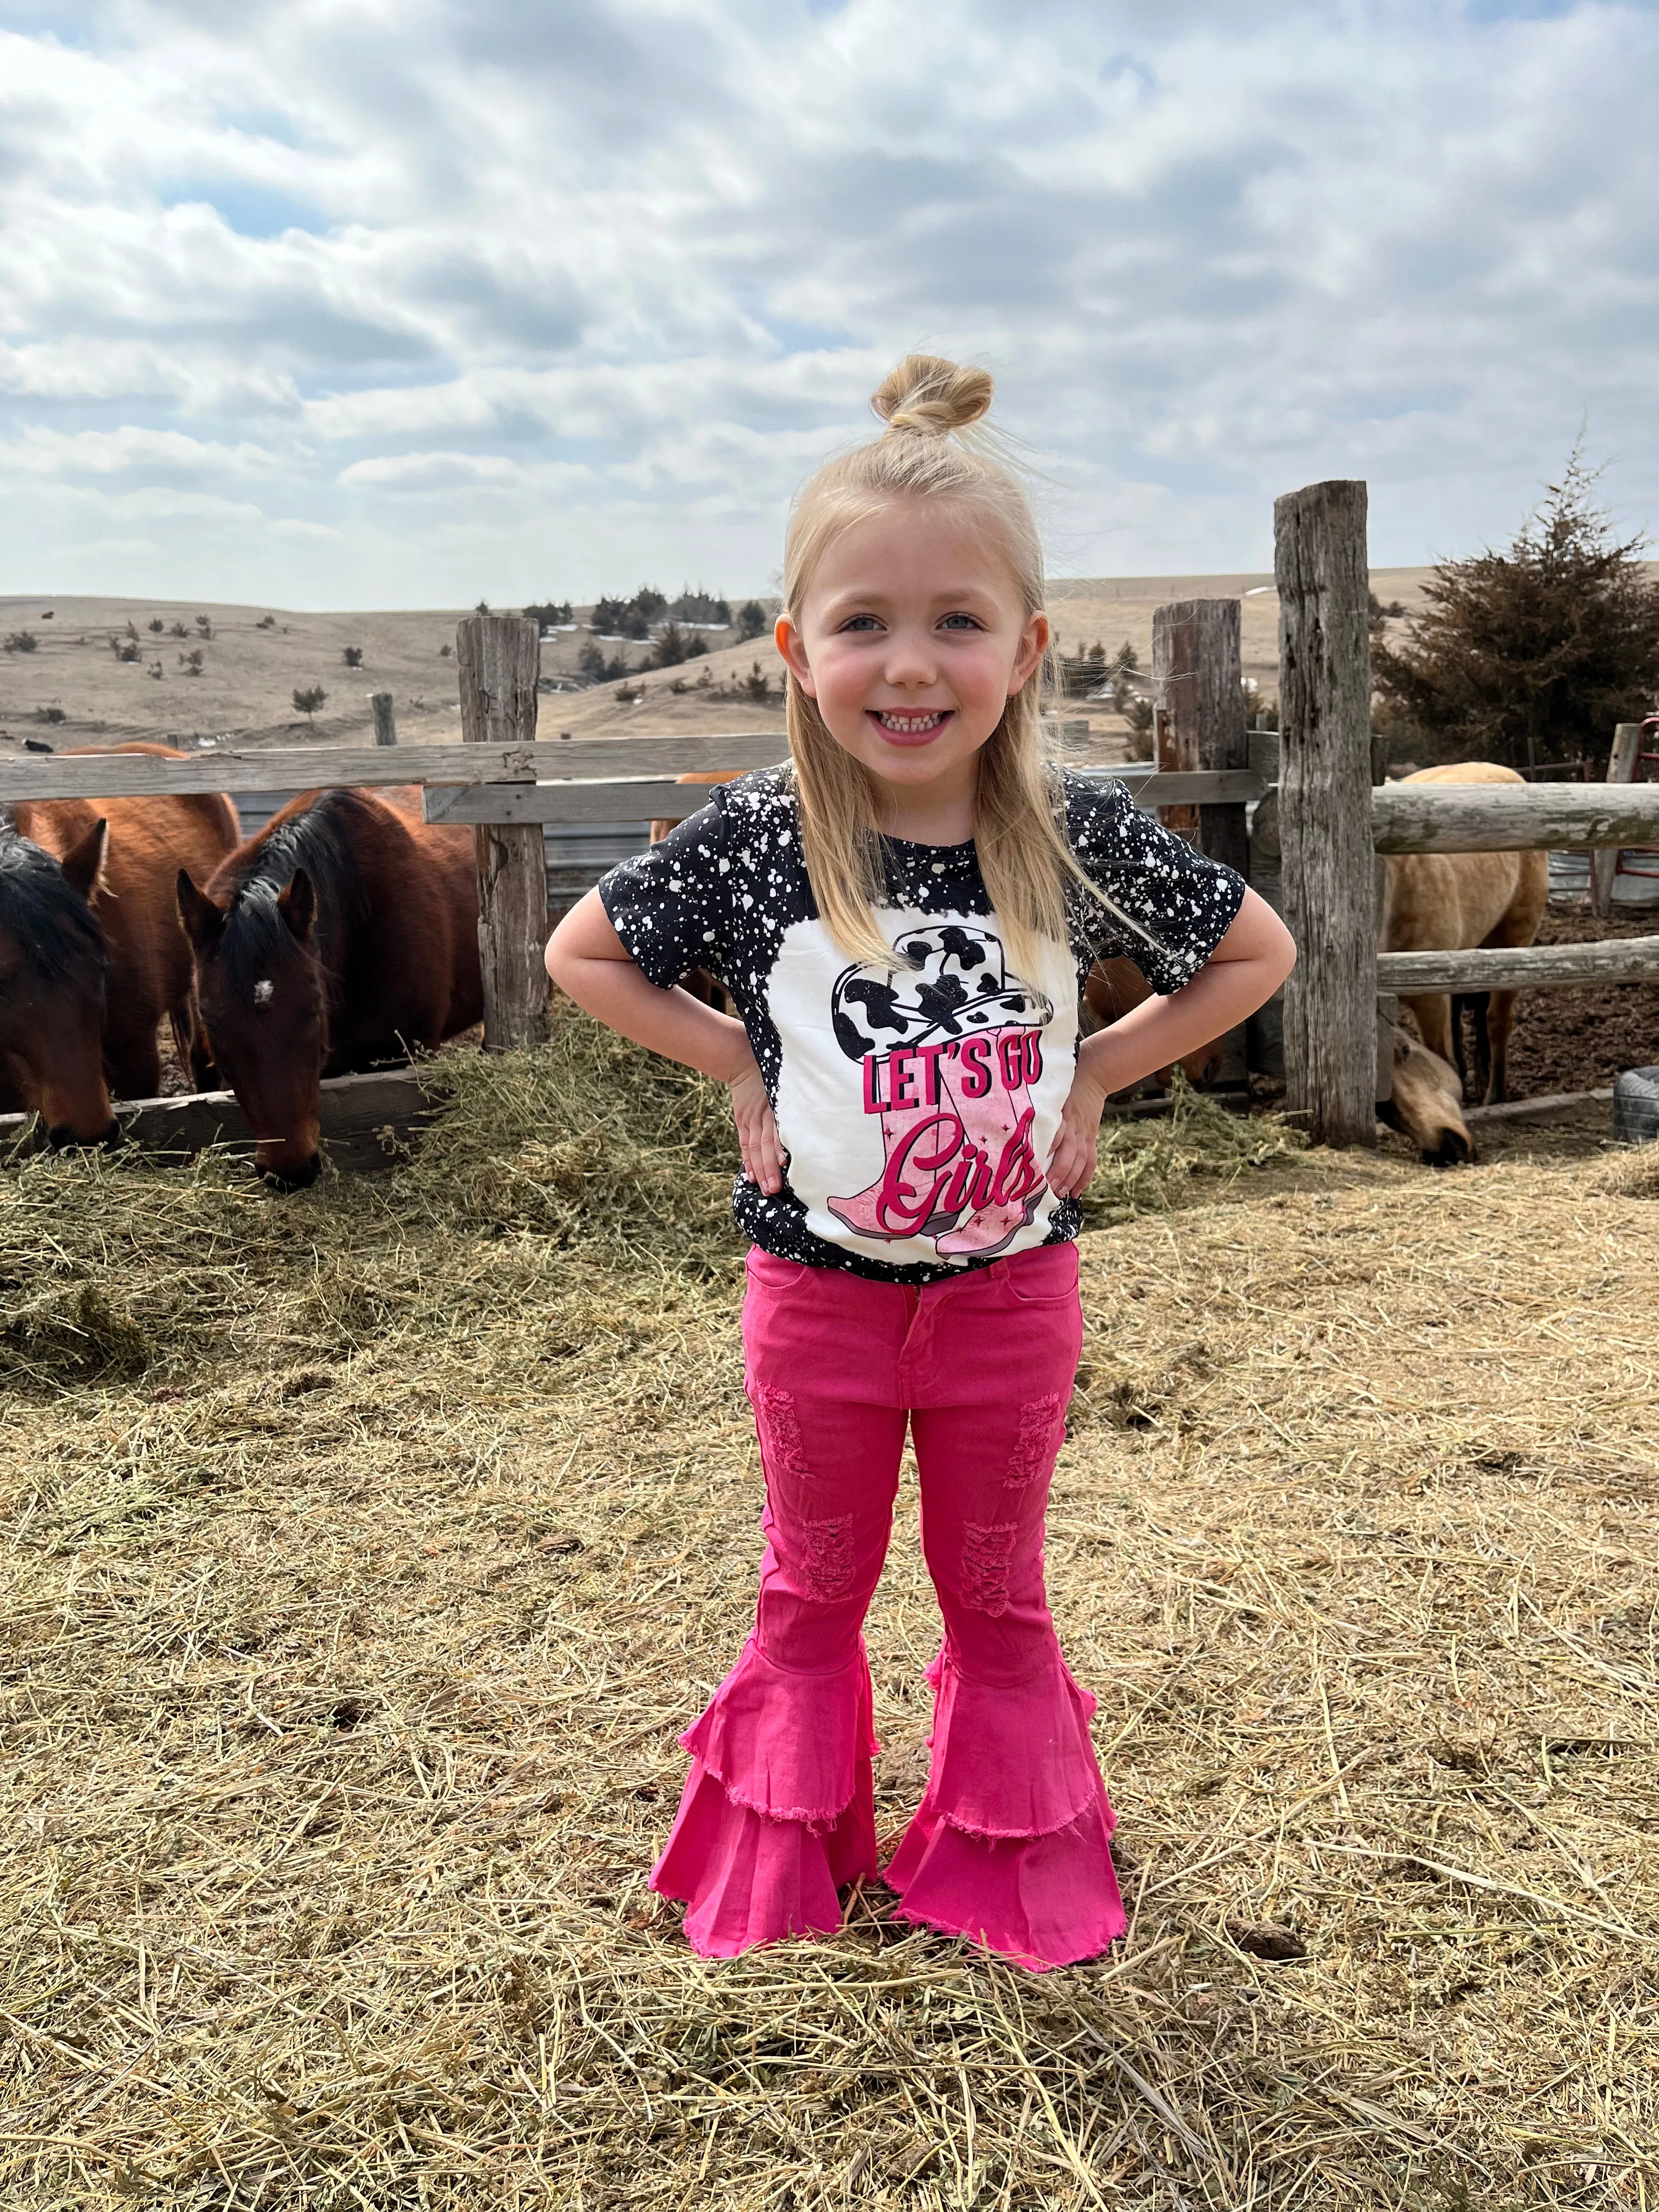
(1584, 1038)
(369, 1549)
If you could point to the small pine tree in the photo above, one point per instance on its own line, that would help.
(1529, 656)
(752, 621)
(155, 625)
(353, 656)
(591, 663)
(675, 645)
(309, 698)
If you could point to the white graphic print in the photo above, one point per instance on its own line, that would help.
(951, 1074)
(964, 1047)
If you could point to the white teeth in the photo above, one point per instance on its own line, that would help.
(908, 723)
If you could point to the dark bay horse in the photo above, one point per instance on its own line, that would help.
(92, 956)
(341, 935)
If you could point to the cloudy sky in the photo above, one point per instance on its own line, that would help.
(399, 302)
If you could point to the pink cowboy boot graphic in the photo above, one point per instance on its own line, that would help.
(949, 1078)
(917, 1125)
(989, 1085)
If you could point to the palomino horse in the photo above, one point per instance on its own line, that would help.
(1450, 902)
(1432, 902)
(1427, 1103)
(343, 935)
(91, 957)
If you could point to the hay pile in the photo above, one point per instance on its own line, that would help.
(369, 1547)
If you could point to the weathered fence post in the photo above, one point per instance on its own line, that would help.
(1198, 710)
(386, 722)
(1325, 809)
(1621, 769)
(496, 657)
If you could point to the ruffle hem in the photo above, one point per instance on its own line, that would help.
(778, 1812)
(1011, 1844)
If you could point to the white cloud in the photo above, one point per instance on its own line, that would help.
(597, 285)
(441, 474)
(159, 455)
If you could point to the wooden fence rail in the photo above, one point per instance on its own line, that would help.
(657, 799)
(1519, 967)
(1487, 817)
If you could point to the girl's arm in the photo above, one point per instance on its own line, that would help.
(1245, 970)
(590, 964)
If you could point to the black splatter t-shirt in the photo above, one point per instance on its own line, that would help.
(917, 1101)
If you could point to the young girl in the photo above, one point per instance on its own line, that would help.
(904, 917)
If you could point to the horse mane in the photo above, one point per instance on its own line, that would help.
(320, 841)
(57, 932)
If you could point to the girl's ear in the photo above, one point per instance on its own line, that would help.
(1033, 644)
(789, 643)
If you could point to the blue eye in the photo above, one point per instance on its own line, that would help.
(961, 622)
(860, 622)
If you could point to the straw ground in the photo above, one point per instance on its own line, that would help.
(368, 1548)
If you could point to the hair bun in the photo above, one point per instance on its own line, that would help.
(932, 397)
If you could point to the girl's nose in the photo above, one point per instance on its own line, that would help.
(911, 661)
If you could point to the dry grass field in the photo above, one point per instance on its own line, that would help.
(367, 1549)
(249, 671)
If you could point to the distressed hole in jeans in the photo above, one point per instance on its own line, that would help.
(1038, 1419)
(780, 1425)
(987, 1553)
(828, 1558)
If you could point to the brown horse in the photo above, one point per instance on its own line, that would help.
(1450, 902)
(92, 956)
(340, 937)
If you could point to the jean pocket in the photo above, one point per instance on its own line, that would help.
(773, 1273)
(1046, 1277)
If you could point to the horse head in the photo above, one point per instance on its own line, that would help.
(264, 1001)
(53, 959)
(1428, 1104)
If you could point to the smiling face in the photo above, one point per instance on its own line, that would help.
(912, 637)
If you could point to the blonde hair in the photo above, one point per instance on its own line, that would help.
(1018, 823)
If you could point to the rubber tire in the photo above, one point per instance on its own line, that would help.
(1636, 1107)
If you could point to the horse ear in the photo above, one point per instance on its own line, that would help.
(297, 904)
(203, 922)
(83, 864)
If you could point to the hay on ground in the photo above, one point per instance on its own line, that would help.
(370, 1546)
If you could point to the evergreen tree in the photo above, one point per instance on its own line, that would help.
(1531, 655)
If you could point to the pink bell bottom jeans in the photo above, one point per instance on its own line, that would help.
(1010, 1844)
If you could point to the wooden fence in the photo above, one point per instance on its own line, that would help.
(1332, 821)
(1319, 832)
(512, 788)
